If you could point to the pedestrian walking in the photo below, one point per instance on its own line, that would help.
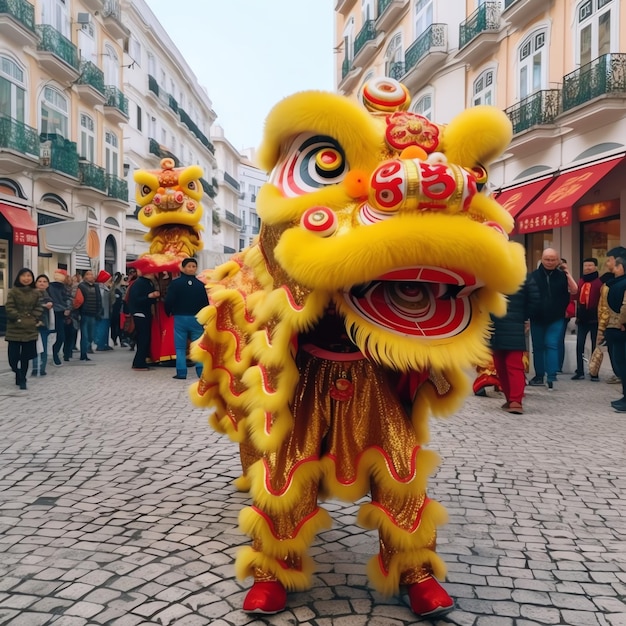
(46, 328)
(23, 310)
(61, 298)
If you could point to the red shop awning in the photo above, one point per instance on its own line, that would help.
(24, 228)
(516, 199)
(553, 208)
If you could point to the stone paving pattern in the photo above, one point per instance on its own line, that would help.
(116, 507)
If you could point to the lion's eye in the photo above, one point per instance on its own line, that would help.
(146, 190)
(311, 162)
(192, 185)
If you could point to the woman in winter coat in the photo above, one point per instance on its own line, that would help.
(47, 325)
(508, 344)
(23, 310)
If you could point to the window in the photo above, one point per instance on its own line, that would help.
(532, 64)
(111, 67)
(367, 10)
(152, 128)
(483, 88)
(151, 65)
(111, 153)
(54, 13)
(423, 16)
(597, 28)
(139, 118)
(393, 56)
(12, 91)
(424, 106)
(348, 40)
(87, 138)
(134, 50)
(54, 109)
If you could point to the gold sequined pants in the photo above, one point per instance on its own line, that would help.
(351, 435)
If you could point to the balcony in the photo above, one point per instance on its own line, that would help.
(57, 54)
(160, 95)
(112, 15)
(389, 13)
(232, 219)
(208, 188)
(90, 84)
(365, 44)
(19, 146)
(595, 93)
(232, 182)
(154, 147)
(193, 127)
(349, 76)
(116, 188)
(115, 105)
(58, 155)
(478, 34)
(91, 176)
(534, 122)
(17, 22)
(425, 56)
(344, 6)
(519, 12)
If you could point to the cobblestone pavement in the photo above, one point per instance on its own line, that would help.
(116, 507)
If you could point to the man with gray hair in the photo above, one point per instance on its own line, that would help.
(546, 319)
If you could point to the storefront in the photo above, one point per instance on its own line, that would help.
(599, 229)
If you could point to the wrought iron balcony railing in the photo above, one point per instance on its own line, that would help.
(51, 40)
(21, 10)
(193, 127)
(63, 154)
(231, 181)
(18, 136)
(540, 108)
(367, 33)
(91, 175)
(232, 218)
(434, 36)
(604, 75)
(154, 147)
(91, 74)
(397, 70)
(116, 99)
(485, 18)
(209, 190)
(116, 187)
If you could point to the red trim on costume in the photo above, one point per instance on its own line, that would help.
(390, 468)
(332, 356)
(416, 523)
(292, 302)
(270, 523)
(289, 480)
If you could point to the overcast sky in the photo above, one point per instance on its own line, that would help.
(249, 54)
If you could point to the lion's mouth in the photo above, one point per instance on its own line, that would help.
(427, 302)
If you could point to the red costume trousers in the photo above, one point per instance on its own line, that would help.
(510, 367)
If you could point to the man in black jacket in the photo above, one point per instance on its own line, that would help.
(141, 296)
(184, 298)
(546, 321)
(88, 303)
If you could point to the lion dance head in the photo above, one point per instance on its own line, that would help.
(380, 213)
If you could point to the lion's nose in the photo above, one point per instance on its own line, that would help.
(400, 185)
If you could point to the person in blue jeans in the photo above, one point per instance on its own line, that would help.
(185, 297)
(555, 286)
(88, 302)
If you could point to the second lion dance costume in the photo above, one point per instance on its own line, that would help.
(329, 341)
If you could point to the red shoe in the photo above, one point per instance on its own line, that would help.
(428, 598)
(265, 597)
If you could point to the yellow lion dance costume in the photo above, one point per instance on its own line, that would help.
(329, 341)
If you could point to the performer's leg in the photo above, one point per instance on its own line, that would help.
(499, 360)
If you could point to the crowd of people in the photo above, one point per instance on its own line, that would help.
(87, 313)
(543, 308)
(74, 313)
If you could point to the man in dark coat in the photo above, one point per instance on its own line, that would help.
(508, 344)
(184, 298)
(88, 303)
(140, 299)
(546, 321)
(587, 299)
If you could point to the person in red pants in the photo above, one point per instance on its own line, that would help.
(508, 344)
